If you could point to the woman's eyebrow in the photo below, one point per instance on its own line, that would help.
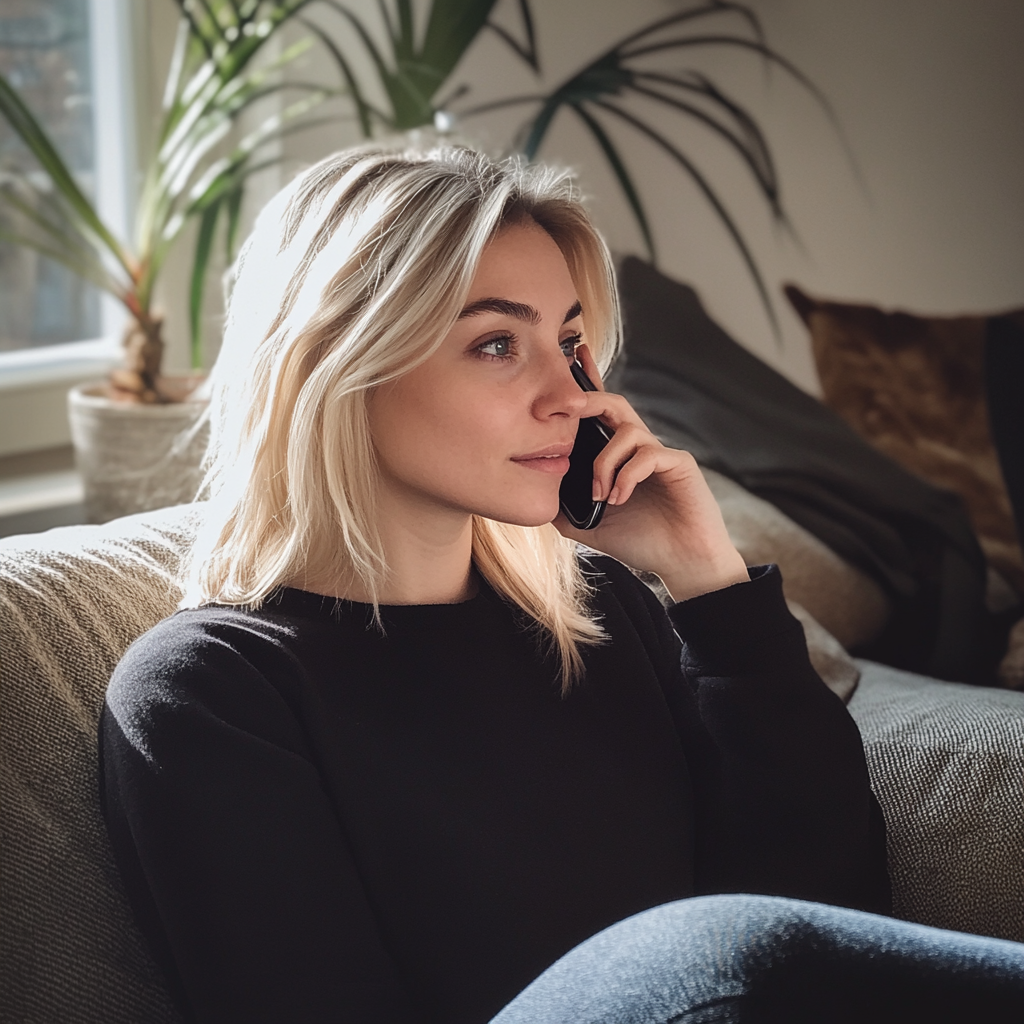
(518, 310)
(506, 307)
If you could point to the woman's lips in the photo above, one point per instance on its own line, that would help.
(553, 459)
(558, 464)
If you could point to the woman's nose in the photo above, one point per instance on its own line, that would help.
(560, 395)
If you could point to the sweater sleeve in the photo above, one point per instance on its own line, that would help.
(234, 860)
(782, 799)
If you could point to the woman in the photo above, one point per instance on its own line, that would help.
(404, 747)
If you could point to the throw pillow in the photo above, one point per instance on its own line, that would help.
(699, 389)
(914, 387)
(848, 603)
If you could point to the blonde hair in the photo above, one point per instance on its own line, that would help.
(353, 276)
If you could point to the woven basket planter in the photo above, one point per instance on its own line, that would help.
(134, 458)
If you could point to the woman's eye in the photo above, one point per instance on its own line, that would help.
(569, 345)
(500, 348)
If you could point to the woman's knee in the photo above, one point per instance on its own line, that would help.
(690, 960)
(734, 958)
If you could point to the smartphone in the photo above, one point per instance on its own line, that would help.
(575, 496)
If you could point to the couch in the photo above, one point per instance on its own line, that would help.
(946, 760)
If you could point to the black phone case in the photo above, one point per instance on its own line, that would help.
(575, 496)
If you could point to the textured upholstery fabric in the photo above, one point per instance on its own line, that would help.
(71, 601)
(947, 763)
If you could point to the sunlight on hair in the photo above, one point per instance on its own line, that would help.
(353, 275)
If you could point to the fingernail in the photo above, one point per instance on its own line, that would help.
(596, 495)
(613, 497)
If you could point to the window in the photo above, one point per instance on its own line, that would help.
(44, 54)
(69, 60)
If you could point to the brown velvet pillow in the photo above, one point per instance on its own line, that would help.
(914, 388)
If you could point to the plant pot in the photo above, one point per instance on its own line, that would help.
(133, 458)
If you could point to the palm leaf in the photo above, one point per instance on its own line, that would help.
(770, 55)
(383, 71)
(219, 100)
(212, 128)
(621, 173)
(604, 76)
(224, 196)
(216, 181)
(385, 16)
(452, 25)
(31, 133)
(209, 84)
(615, 75)
(403, 92)
(84, 269)
(204, 246)
(756, 157)
(508, 101)
(231, 55)
(196, 28)
(177, 68)
(403, 40)
(363, 109)
(702, 11)
(60, 229)
(233, 211)
(528, 52)
(711, 196)
(198, 133)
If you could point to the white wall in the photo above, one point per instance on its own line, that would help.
(930, 94)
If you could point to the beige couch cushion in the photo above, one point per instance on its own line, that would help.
(71, 601)
(845, 601)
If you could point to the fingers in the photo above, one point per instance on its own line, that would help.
(630, 436)
(634, 453)
(644, 462)
(613, 410)
(630, 458)
(674, 468)
(626, 443)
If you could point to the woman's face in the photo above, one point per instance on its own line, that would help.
(486, 424)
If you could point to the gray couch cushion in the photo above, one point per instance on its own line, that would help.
(947, 765)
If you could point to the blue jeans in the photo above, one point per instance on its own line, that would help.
(765, 959)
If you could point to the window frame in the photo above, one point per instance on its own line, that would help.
(50, 367)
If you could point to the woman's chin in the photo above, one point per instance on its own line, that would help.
(538, 513)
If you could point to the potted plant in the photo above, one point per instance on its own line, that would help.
(136, 445)
(633, 76)
(212, 81)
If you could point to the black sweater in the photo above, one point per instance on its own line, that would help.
(317, 822)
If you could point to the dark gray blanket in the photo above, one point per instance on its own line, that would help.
(700, 390)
